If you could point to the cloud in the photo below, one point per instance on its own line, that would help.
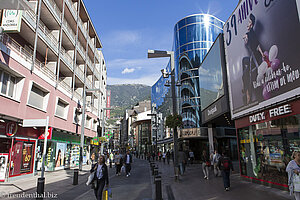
(123, 38)
(146, 80)
(127, 70)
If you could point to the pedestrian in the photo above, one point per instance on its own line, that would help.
(225, 165)
(181, 161)
(127, 161)
(164, 157)
(215, 161)
(118, 163)
(191, 156)
(205, 164)
(293, 170)
(168, 157)
(100, 177)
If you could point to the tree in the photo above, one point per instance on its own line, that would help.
(174, 121)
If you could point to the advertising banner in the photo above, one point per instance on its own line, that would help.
(60, 155)
(27, 157)
(3, 165)
(108, 94)
(262, 52)
(11, 20)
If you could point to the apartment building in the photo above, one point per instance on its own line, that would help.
(48, 64)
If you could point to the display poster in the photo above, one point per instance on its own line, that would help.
(16, 158)
(75, 155)
(50, 158)
(27, 157)
(68, 156)
(3, 165)
(262, 53)
(11, 20)
(60, 155)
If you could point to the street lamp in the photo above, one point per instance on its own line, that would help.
(170, 54)
(102, 130)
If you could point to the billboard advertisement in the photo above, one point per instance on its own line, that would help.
(108, 94)
(11, 20)
(262, 53)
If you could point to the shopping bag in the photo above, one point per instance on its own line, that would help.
(123, 169)
(296, 182)
(90, 179)
(107, 194)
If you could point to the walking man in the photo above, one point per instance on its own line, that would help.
(191, 156)
(118, 163)
(225, 165)
(168, 157)
(182, 161)
(128, 161)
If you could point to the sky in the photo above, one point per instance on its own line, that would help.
(128, 28)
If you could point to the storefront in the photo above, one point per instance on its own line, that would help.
(267, 140)
(17, 149)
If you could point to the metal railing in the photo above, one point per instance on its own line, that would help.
(73, 11)
(55, 8)
(45, 69)
(69, 30)
(65, 85)
(79, 73)
(91, 44)
(89, 82)
(81, 49)
(68, 59)
(48, 34)
(29, 15)
(81, 25)
(77, 95)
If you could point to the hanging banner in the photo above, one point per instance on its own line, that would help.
(262, 53)
(11, 21)
(108, 97)
(3, 165)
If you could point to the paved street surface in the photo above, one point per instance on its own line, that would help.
(139, 186)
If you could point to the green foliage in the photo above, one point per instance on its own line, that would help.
(174, 121)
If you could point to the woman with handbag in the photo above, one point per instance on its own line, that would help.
(100, 177)
(205, 164)
(293, 170)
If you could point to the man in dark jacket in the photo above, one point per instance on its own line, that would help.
(100, 177)
(127, 160)
(225, 165)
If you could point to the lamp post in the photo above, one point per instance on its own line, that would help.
(170, 54)
(82, 124)
(102, 130)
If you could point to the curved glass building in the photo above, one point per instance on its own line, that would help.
(193, 37)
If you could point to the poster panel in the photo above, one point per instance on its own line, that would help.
(60, 155)
(262, 53)
(3, 165)
(27, 157)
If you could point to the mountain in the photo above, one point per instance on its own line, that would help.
(127, 95)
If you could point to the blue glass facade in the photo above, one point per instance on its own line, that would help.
(193, 37)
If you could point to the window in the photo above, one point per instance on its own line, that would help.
(38, 97)
(62, 108)
(8, 84)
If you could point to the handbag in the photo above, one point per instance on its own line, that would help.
(296, 183)
(123, 168)
(107, 194)
(90, 179)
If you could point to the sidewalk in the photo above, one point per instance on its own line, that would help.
(57, 181)
(193, 186)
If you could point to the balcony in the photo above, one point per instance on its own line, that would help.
(71, 8)
(91, 45)
(48, 37)
(69, 31)
(12, 45)
(89, 62)
(89, 82)
(55, 10)
(83, 29)
(66, 58)
(77, 95)
(30, 17)
(79, 73)
(64, 85)
(81, 49)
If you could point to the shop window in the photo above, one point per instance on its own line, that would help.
(266, 148)
(38, 97)
(62, 108)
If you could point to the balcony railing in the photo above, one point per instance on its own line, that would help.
(73, 11)
(81, 49)
(65, 85)
(50, 38)
(83, 29)
(77, 95)
(67, 58)
(91, 44)
(54, 8)
(69, 30)
(30, 16)
(45, 69)
(89, 82)
(79, 73)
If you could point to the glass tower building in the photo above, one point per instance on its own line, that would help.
(193, 37)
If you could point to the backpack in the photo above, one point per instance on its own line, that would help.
(225, 164)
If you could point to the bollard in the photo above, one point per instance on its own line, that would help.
(75, 177)
(158, 190)
(110, 164)
(155, 173)
(152, 168)
(40, 188)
